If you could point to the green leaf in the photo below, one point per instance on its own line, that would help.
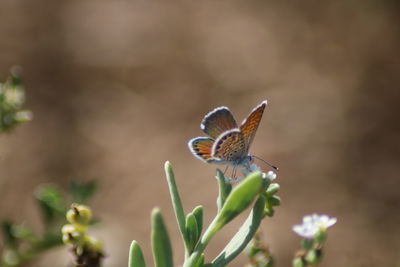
(16, 73)
(49, 241)
(268, 209)
(192, 231)
(136, 258)
(176, 202)
(81, 192)
(275, 201)
(198, 213)
(224, 189)
(160, 242)
(8, 234)
(24, 232)
(243, 236)
(50, 202)
(270, 202)
(240, 198)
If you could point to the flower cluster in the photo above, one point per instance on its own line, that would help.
(314, 231)
(87, 250)
(12, 97)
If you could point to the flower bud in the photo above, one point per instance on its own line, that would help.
(72, 234)
(93, 244)
(272, 189)
(269, 175)
(298, 262)
(312, 257)
(275, 200)
(79, 214)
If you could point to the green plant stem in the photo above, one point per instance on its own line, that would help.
(238, 200)
(243, 236)
(212, 229)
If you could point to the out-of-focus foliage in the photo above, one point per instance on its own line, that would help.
(12, 98)
(21, 243)
(259, 254)
(82, 192)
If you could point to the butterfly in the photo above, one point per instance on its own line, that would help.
(226, 142)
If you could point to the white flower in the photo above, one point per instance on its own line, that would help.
(312, 224)
(270, 175)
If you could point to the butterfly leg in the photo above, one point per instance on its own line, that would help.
(226, 168)
(234, 172)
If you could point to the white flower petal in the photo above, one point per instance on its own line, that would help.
(312, 224)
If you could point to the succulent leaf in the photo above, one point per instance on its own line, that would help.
(136, 258)
(243, 236)
(160, 242)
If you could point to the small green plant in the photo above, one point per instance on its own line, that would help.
(86, 250)
(256, 190)
(21, 243)
(12, 98)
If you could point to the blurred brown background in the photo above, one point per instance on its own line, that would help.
(118, 87)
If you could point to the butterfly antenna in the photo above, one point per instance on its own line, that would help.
(266, 162)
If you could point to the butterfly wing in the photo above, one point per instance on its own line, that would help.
(230, 147)
(250, 124)
(218, 121)
(201, 147)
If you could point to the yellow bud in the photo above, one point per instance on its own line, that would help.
(79, 214)
(93, 244)
(72, 235)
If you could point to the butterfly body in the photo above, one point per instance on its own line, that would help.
(226, 142)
